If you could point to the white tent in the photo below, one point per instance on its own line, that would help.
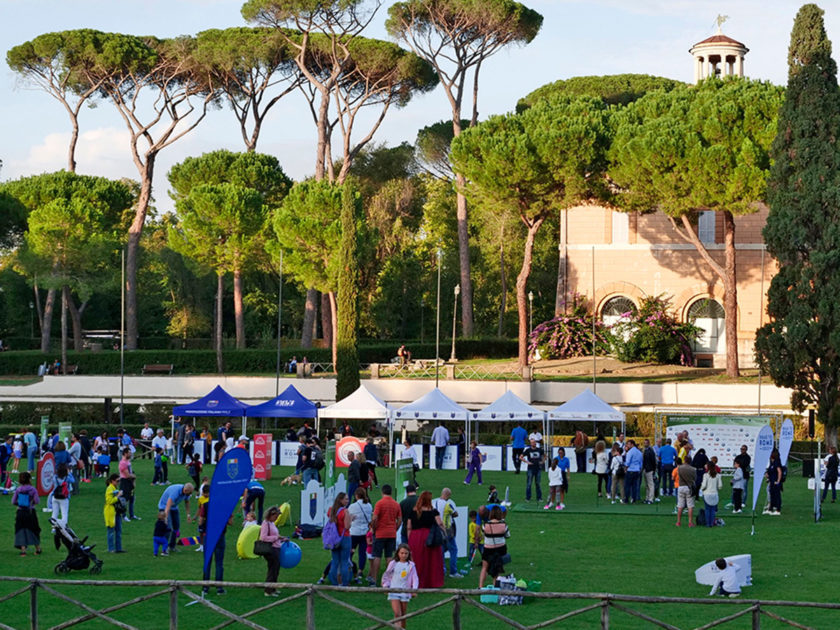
(507, 408)
(433, 406)
(360, 405)
(585, 407)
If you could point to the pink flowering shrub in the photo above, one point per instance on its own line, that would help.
(569, 335)
(652, 334)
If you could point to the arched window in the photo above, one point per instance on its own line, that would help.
(617, 309)
(709, 315)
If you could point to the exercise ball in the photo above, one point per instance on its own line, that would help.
(290, 555)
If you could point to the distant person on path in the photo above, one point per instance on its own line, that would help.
(474, 464)
(401, 573)
(27, 530)
(169, 501)
(687, 476)
(832, 462)
(440, 440)
(517, 439)
(601, 459)
(386, 520)
(429, 560)
(534, 457)
(113, 521)
(404, 355)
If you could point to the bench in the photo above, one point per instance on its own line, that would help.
(72, 369)
(158, 368)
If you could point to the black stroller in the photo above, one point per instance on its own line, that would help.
(79, 555)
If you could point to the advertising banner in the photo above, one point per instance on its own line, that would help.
(346, 445)
(785, 440)
(288, 454)
(262, 445)
(65, 430)
(45, 425)
(330, 465)
(721, 436)
(230, 478)
(763, 448)
(450, 457)
(46, 474)
(404, 471)
(494, 456)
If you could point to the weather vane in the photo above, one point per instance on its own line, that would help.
(720, 19)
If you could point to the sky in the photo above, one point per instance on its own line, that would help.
(590, 37)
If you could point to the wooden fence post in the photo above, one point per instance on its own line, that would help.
(756, 617)
(605, 615)
(456, 613)
(173, 607)
(33, 606)
(310, 609)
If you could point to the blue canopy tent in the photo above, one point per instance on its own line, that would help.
(217, 403)
(289, 404)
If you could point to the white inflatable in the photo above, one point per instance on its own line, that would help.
(707, 574)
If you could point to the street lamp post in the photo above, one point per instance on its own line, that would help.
(437, 320)
(32, 320)
(530, 311)
(452, 358)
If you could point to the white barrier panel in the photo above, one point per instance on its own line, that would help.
(450, 457)
(198, 448)
(494, 457)
(287, 455)
(418, 448)
(312, 504)
(570, 453)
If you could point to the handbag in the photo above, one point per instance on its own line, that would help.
(436, 537)
(263, 548)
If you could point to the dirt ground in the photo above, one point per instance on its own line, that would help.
(611, 367)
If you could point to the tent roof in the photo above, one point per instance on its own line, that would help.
(433, 406)
(586, 406)
(361, 404)
(508, 406)
(217, 403)
(289, 404)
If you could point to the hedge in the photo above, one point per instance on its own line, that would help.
(26, 362)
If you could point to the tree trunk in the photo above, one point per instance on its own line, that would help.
(830, 436)
(46, 321)
(74, 139)
(521, 286)
(39, 313)
(333, 327)
(503, 276)
(64, 296)
(76, 319)
(730, 296)
(309, 312)
(562, 253)
(220, 290)
(464, 259)
(132, 258)
(323, 132)
(326, 320)
(238, 313)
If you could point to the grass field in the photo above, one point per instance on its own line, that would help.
(592, 546)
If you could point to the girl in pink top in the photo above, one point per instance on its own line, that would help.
(401, 573)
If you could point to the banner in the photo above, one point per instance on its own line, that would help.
(330, 465)
(785, 440)
(65, 431)
(46, 474)
(45, 425)
(231, 477)
(721, 435)
(346, 445)
(262, 445)
(763, 448)
(404, 471)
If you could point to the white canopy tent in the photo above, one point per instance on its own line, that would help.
(360, 405)
(585, 407)
(433, 406)
(507, 408)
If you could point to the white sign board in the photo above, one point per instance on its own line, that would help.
(450, 457)
(570, 454)
(494, 456)
(418, 448)
(287, 453)
(198, 449)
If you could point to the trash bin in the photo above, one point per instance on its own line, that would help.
(808, 468)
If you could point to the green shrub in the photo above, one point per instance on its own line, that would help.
(652, 334)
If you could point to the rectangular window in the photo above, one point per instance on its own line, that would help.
(706, 226)
(620, 228)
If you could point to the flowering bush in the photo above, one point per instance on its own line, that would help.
(568, 336)
(652, 334)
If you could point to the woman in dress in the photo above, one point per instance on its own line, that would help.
(27, 530)
(401, 573)
(429, 560)
(496, 534)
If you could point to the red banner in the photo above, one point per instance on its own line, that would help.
(344, 446)
(46, 474)
(263, 444)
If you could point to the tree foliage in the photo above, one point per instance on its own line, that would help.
(347, 357)
(616, 89)
(800, 347)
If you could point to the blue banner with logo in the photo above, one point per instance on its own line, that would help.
(231, 477)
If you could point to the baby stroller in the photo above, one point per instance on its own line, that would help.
(79, 555)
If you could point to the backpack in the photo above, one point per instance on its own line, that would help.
(318, 459)
(61, 490)
(330, 536)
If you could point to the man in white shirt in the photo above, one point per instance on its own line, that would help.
(440, 439)
(536, 436)
(146, 435)
(446, 506)
(160, 441)
(727, 579)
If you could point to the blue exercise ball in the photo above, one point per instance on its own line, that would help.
(290, 555)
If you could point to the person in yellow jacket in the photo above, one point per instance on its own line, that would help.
(113, 521)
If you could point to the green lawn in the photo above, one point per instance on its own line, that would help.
(591, 547)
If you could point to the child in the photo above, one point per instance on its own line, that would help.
(161, 535)
(201, 515)
(493, 495)
(555, 485)
(401, 573)
(194, 469)
(475, 537)
(566, 466)
(739, 484)
(250, 520)
(103, 462)
(17, 448)
(727, 580)
(157, 480)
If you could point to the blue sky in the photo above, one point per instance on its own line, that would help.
(592, 37)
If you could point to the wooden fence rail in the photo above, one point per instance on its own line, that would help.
(607, 603)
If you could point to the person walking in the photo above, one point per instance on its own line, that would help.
(113, 522)
(401, 573)
(517, 439)
(534, 457)
(601, 459)
(27, 529)
(832, 462)
(361, 513)
(61, 496)
(429, 559)
(127, 483)
(340, 563)
(474, 464)
(386, 520)
(440, 440)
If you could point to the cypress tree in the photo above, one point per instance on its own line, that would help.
(800, 347)
(347, 353)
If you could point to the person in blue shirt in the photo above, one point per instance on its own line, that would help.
(254, 493)
(31, 447)
(667, 454)
(565, 465)
(517, 438)
(169, 501)
(632, 481)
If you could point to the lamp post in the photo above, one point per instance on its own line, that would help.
(32, 320)
(452, 358)
(437, 319)
(530, 311)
